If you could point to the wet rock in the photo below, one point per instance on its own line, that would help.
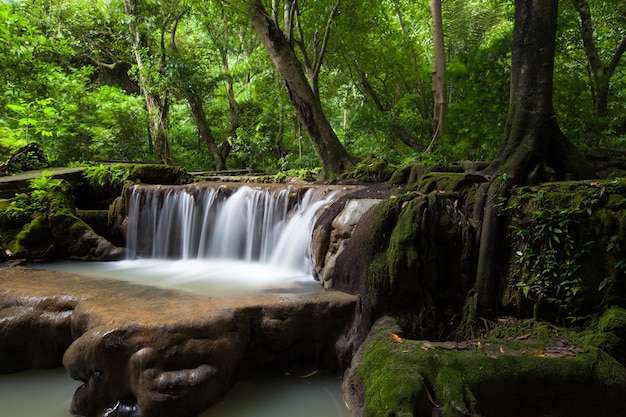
(338, 235)
(143, 351)
(34, 331)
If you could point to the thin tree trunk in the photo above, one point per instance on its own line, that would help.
(204, 131)
(600, 74)
(158, 108)
(439, 74)
(331, 153)
(423, 108)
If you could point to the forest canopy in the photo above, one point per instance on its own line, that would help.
(192, 83)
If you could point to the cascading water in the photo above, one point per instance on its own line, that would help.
(218, 241)
(251, 224)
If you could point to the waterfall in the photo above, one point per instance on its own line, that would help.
(266, 225)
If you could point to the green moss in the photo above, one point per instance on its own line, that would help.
(380, 281)
(33, 240)
(440, 181)
(490, 376)
(392, 384)
(158, 174)
(370, 169)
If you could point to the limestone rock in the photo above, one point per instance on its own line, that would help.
(148, 352)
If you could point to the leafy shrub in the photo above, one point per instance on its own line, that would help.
(108, 176)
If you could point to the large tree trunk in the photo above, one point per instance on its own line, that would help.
(331, 153)
(533, 149)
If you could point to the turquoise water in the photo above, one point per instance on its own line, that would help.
(37, 394)
(49, 394)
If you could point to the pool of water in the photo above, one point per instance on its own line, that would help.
(37, 394)
(49, 394)
(286, 396)
(214, 277)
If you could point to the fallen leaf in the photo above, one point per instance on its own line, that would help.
(523, 337)
(395, 337)
(431, 400)
(501, 350)
(310, 374)
(8, 252)
(539, 353)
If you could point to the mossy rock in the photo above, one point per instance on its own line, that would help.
(158, 174)
(582, 226)
(370, 169)
(482, 377)
(72, 234)
(34, 241)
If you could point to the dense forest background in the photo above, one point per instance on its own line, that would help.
(190, 82)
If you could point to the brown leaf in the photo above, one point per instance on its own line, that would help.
(523, 337)
(395, 337)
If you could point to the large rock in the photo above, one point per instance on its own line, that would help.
(143, 351)
(542, 373)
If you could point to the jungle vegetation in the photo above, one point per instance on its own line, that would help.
(289, 84)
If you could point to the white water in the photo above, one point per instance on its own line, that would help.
(253, 224)
(255, 241)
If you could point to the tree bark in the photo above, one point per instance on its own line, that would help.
(534, 149)
(331, 153)
(204, 131)
(440, 98)
(198, 112)
(600, 73)
(157, 107)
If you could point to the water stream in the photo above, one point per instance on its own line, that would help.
(212, 242)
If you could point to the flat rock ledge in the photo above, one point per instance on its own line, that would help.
(144, 351)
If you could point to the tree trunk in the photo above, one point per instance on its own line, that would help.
(440, 98)
(331, 153)
(533, 149)
(600, 74)
(158, 108)
(204, 131)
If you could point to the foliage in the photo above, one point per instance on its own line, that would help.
(61, 91)
(36, 201)
(370, 169)
(108, 176)
(297, 175)
(549, 249)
